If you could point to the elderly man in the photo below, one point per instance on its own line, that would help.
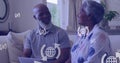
(49, 43)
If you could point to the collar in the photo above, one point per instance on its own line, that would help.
(41, 31)
(95, 28)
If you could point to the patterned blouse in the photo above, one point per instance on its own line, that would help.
(91, 48)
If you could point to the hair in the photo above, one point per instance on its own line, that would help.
(93, 9)
(41, 5)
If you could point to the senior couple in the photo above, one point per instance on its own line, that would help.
(51, 43)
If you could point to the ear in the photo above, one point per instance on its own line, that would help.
(34, 17)
(90, 16)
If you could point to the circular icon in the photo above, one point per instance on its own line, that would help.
(4, 10)
(111, 59)
(50, 52)
(82, 30)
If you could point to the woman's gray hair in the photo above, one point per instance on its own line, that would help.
(94, 9)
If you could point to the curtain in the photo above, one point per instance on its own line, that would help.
(74, 7)
(68, 10)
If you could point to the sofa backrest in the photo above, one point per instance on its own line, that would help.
(15, 45)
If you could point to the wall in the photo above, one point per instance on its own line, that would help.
(24, 20)
(4, 26)
(113, 5)
(115, 41)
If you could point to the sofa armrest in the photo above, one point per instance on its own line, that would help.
(4, 56)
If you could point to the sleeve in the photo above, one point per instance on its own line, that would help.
(27, 40)
(63, 39)
(99, 47)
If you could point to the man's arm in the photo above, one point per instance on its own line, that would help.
(69, 60)
(64, 42)
(65, 53)
(27, 52)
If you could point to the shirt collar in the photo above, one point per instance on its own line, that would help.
(50, 30)
(95, 28)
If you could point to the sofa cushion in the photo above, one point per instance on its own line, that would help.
(4, 56)
(15, 45)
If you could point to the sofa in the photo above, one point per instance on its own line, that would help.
(4, 56)
(11, 47)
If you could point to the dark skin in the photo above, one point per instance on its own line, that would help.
(84, 20)
(41, 13)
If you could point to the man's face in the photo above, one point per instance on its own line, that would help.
(42, 14)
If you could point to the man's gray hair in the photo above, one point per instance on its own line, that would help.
(94, 9)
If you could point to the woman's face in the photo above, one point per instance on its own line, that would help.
(83, 18)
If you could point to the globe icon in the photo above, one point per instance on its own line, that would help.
(111, 59)
(50, 52)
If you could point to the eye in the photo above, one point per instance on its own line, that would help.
(44, 13)
(41, 14)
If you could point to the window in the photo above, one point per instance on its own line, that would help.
(53, 7)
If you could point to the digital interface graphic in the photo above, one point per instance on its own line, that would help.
(50, 52)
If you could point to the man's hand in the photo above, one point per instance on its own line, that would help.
(69, 60)
(65, 54)
(27, 52)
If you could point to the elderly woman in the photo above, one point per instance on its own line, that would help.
(91, 47)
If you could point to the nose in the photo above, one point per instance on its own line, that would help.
(78, 15)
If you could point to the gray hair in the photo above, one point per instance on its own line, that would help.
(95, 9)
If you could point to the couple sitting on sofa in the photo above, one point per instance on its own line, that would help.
(50, 44)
